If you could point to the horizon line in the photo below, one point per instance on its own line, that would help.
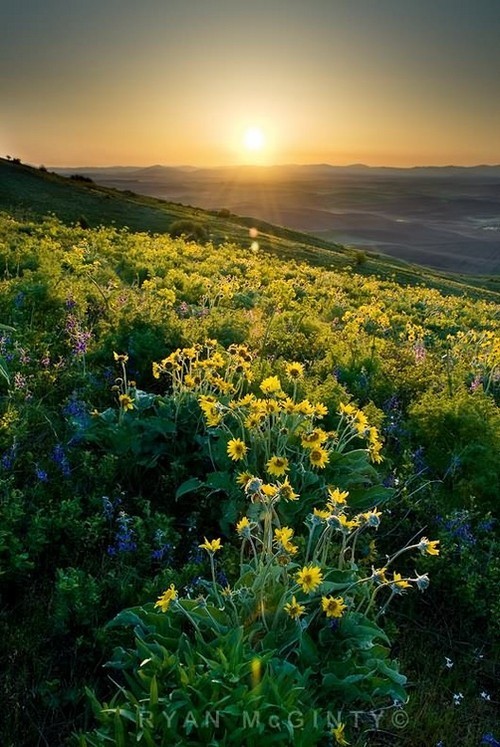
(323, 164)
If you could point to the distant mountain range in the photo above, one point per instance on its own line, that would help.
(296, 171)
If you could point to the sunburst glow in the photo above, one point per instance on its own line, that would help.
(253, 139)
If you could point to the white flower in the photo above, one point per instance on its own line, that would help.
(449, 663)
(485, 695)
(457, 698)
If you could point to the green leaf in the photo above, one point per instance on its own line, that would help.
(187, 487)
(153, 691)
(220, 481)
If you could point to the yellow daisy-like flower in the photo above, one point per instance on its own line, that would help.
(379, 574)
(254, 420)
(319, 457)
(399, 582)
(314, 438)
(347, 410)
(243, 526)
(320, 410)
(246, 400)
(346, 523)
(374, 452)
(337, 496)
(217, 361)
(165, 600)
(338, 733)
(322, 514)
(288, 406)
(277, 466)
(428, 546)
(304, 407)
(372, 518)
(333, 606)
(286, 491)
(192, 381)
(270, 385)
(212, 416)
(282, 537)
(269, 490)
(120, 358)
(360, 422)
(236, 449)
(294, 609)
(272, 407)
(157, 370)
(211, 546)
(294, 370)
(243, 478)
(126, 402)
(309, 578)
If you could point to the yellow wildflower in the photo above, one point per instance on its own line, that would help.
(333, 606)
(379, 574)
(314, 438)
(399, 582)
(236, 449)
(294, 609)
(338, 733)
(309, 578)
(372, 518)
(272, 407)
(322, 514)
(346, 523)
(287, 491)
(319, 457)
(212, 547)
(282, 537)
(277, 466)
(347, 410)
(254, 420)
(294, 370)
(374, 452)
(126, 402)
(428, 546)
(288, 405)
(166, 598)
(243, 526)
(360, 422)
(243, 478)
(270, 385)
(320, 410)
(120, 358)
(337, 496)
(269, 490)
(304, 407)
(246, 400)
(212, 414)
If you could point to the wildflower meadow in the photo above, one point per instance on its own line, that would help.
(243, 500)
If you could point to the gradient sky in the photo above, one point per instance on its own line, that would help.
(136, 82)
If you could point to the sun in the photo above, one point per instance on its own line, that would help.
(253, 139)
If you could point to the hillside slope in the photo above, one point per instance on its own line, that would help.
(34, 193)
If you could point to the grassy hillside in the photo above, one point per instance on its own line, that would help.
(35, 193)
(141, 377)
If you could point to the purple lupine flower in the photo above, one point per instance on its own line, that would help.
(41, 474)
(60, 458)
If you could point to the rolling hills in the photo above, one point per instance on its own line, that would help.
(33, 193)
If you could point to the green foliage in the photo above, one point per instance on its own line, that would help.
(190, 230)
(102, 506)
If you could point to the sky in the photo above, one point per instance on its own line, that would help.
(178, 82)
